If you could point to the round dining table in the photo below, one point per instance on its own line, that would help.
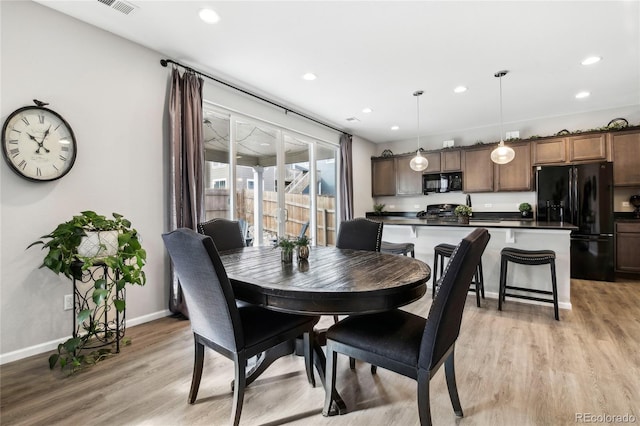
(331, 281)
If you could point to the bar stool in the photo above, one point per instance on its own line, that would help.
(528, 257)
(446, 250)
(397, 248)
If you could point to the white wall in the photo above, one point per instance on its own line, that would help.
(112, 92)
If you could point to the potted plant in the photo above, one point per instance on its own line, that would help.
(287, 247)
(78, 245)
(463, 212)
(378, 208)
(525, 209)
(302, 247)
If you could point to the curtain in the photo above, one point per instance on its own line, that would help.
(346, 178)
(187, 164)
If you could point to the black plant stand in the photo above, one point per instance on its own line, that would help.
(105, 320)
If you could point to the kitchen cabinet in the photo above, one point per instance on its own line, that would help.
(549, 151)
(517, 174)
(627, 246)
(383, 176)
(434, 162)
(408, 181)
(587, 148)
(450, 160)
(626, 158)
(477, 169)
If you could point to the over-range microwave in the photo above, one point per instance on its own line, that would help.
(441, 182)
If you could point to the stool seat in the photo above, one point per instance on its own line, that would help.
(528, 257)
(443, 250)
(397, 248)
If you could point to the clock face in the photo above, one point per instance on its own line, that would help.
(38, 144)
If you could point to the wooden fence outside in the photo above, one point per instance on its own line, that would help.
(297, 205)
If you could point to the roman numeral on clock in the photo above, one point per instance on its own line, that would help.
(41, 118)
(25, 121)
(23, 164)
(63, 158)
(14, 152)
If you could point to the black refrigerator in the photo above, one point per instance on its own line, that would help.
(583, 196)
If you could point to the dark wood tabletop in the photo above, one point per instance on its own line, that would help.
(332, 281)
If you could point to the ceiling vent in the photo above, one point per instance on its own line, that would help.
(119, 5)
(352, 119)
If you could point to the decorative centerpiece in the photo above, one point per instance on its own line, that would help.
(463, 212)
(302, 247)
(525, 209)
(78, 245)
(287, 246)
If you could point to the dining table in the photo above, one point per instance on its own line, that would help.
(331, 281)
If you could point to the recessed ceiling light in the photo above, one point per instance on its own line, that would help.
(209, 16)
(460, 89)
(309, 76)
(395, 127)
(582, 95)
(367, 110)
(265, 144)
(591, 60)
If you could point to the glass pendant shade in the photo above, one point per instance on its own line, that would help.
(419, 163)
(502, 154)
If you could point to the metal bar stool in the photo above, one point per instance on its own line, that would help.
(397, 248)
(446, 250)
(528, 257)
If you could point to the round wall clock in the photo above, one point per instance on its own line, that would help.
(38, 144)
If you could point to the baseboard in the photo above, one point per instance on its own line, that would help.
(53, 344)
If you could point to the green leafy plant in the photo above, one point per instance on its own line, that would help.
(63, 258)
(524, 207)
(302, 241)
(378, 208)
(286, 244)
(463, 210)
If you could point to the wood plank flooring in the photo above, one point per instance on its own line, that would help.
(518, 366)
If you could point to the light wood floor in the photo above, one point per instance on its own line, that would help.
(518, 366)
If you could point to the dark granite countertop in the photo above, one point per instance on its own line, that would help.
(410, 219)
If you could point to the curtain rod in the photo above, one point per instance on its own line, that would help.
(165, 62)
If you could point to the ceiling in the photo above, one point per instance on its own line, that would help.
(377, 53)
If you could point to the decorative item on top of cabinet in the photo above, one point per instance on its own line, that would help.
(626, 157)
(627, 246)
(383, 176)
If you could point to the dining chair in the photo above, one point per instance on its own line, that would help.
(360, 234)
(237, 333)
(409, 344)
(226, 234)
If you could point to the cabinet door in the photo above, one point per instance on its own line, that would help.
(478, 170)
(383, 177)
(549, 151)
(627, 247)
(434, 162)
(587, 147)
(451, 161)
(516, 175)
(408, 181)
(626, 155)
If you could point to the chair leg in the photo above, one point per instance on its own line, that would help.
(374, 369)
(554, 288)
(240, 362)
(477, 287)
(503, 277)
(450, 373)
(330, 379)
(352, 363)
(434, 276)
(197, 371)
(424, 405)
(308, 357)
(413, 254)
(481, 274)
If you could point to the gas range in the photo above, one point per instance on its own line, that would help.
(440, 212)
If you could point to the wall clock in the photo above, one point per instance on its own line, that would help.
(38, 144)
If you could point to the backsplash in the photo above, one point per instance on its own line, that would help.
(481, 202)
(621, 198)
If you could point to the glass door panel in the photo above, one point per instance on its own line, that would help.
(216, 129)
(298, 185)
(327, 187)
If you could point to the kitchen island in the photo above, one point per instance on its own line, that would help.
(425, 234)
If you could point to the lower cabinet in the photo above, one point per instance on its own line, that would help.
(628, 247)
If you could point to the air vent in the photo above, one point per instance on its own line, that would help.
(119, 5)
(352, 119)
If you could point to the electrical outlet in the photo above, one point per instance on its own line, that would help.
(416, 206)
(392, 206)
(68, 302)
(625, 204)
(488, 205)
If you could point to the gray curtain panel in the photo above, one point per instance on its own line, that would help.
(187, 163)
(346, 178)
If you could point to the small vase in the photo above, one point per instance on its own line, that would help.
(286, 256)
(98, 244)
(463, 220)
(303, 252)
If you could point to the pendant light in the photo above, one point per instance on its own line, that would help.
(418, 163)
(502, 154)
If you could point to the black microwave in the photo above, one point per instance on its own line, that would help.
(441, 182)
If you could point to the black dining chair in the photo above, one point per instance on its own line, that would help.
(226, 234)
(360, 234)
(237, 333)
(409, 344)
